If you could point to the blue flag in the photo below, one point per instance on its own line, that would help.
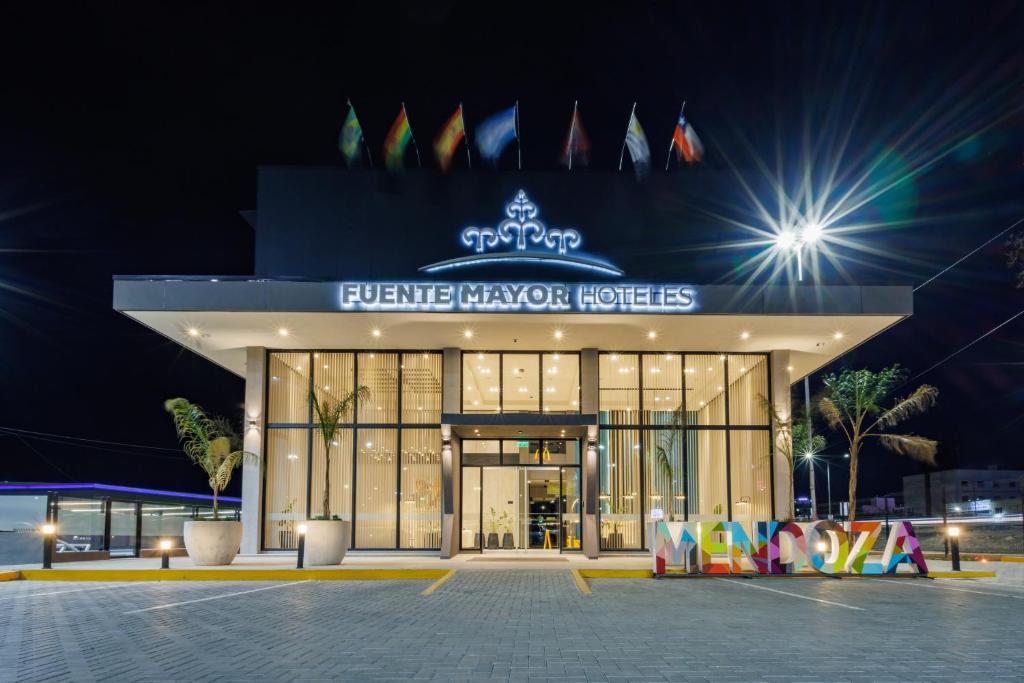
(494, 134)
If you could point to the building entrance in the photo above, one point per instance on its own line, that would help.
(521, 506)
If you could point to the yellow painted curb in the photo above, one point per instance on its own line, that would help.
(581, 583)
(437, 584)
(615, 573)
(1011, 558)
(10, 576)
(961, 575)
(232, 574)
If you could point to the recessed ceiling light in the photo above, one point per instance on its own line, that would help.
(652, 334)
(468, 334)
(193, 332)
(558, 334)
(789, 368)
(283, 331)
(837, 335)
(375, 332)
(744, 335)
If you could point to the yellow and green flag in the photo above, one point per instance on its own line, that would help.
(351, 138)
(399, 137)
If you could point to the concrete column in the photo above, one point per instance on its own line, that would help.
(589, 403)
(451, 498)
(781, 401)
(451, 388)
(252, 443)
(591, 495)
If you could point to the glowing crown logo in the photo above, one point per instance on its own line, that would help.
(522, 229)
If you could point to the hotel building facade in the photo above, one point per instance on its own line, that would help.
(543, 372)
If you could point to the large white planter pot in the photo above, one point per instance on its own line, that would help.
(212, 543)
(326, 541)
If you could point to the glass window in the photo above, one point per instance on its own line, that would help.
(561, 383)
(521, 451)
(663, 388)
(285, 504)
(619, 465)
(619, 386)
(571, 507)
(122, 528)
(751, 488)
(664, 476)
(333, 378)
(421, 388)
(23, 514)
(520, 378)
(288, 390)
(706, 474)
(376, 488)
(481, 378)
(748, 390)
(481, 452)
(471, 488)
(378, 372)
(80, 525)
(705, 389)
(166, 521)
(420, 512)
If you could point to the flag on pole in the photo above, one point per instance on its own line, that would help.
(577, 145)
(398, 138)
(447, 141)
(351, 140)
(636, 142)
(685, 141)
(494, 134)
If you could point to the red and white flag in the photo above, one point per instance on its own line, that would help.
(688, 146)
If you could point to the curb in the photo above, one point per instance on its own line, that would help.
(580, 582)
(10, 576)
(961, 575)
(615, 573)
(233, 574)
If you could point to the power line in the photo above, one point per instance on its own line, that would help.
(967, 346)
(82, 438)
(969, 254)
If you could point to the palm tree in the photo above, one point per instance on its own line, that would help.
(329, 418)
(210, 442)
(853, 404)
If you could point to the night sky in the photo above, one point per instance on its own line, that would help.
(130, 138)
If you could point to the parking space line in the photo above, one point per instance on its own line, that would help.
(748, 584)
(580, 582)
(437, 584)
(215, 597)
(948, 588)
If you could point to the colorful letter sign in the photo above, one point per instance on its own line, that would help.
(720, 547)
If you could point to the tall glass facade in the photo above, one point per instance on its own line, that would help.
(683, 437)
(384, 462)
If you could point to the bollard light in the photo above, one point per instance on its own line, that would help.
(165, 553)
(953, 532)
(49, 533)
(302, 545)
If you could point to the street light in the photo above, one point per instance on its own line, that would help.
(165, 553)
(953, 532)
(795, 240)
(49, 534)
(302, 545)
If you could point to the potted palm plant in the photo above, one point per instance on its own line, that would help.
(327, 536)
(214, 445)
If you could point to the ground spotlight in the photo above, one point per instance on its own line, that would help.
(165, 553)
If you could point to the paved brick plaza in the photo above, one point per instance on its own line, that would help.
(513, 625)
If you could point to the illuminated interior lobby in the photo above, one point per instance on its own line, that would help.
(554, 424)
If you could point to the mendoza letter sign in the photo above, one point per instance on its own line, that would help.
(517, 296)
(782, 548)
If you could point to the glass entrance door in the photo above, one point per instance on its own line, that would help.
(540, 500)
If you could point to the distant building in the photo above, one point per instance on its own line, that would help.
(986, 492)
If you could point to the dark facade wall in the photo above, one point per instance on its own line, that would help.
(331, 223)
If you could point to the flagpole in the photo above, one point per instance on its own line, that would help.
(519, 142)
(672, 140)
(362, 138)
(572, 129)
(622, 154)
(465, 136)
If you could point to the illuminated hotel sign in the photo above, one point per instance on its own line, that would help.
(523, 238)
(517, 297)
